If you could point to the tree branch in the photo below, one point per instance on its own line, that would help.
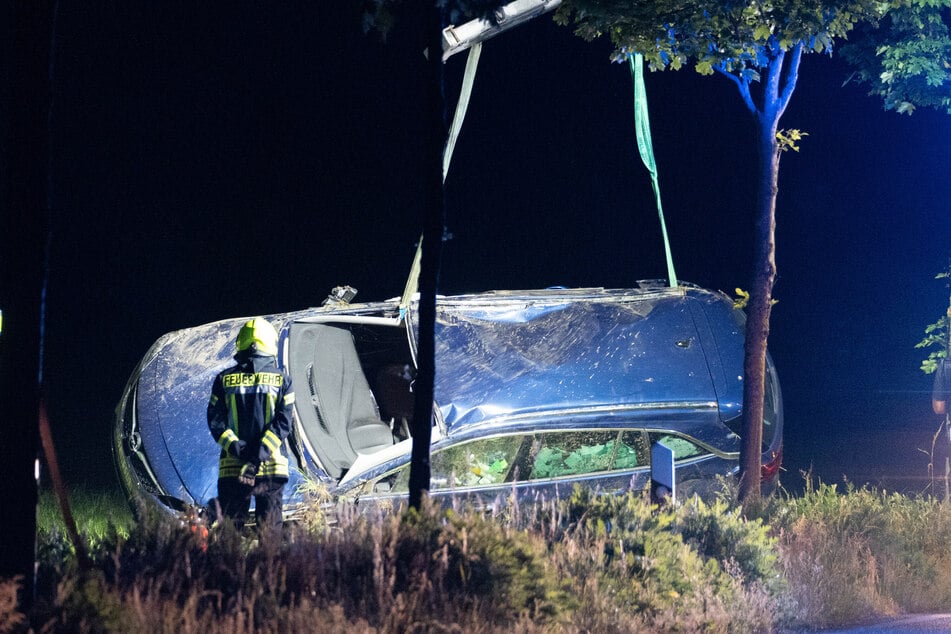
(742, 85)
(771, 89)
(791, 78)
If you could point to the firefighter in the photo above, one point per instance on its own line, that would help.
(249, 415)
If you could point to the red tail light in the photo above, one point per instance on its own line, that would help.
(769, 470)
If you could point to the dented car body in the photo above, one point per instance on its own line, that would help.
(535, 391)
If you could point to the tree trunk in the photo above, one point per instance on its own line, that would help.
(433, 223)
(23, 232)
(758, 309)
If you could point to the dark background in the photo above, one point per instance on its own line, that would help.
(242, 159)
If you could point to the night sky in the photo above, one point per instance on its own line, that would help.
(223, 161)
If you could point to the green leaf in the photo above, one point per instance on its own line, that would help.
(788, 139)
(742, 298)
(704, 67)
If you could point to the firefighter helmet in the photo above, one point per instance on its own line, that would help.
(261, 334)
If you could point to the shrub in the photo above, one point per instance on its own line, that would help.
(848, 556)
(592, 563)
(86, 603)
(626, 550)
(423, 568)
(10, 617)
(724, 535)
(426, 562)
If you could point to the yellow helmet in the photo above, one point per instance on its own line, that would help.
(261, 334)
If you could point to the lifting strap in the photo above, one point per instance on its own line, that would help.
(646, 149)
(468, 79)
(472, 63)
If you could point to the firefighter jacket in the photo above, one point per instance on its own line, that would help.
(250, 414)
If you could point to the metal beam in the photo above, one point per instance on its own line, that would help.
(456, 39)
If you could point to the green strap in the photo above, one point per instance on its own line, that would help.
(646, 149)
(472, 64)
(412, 282)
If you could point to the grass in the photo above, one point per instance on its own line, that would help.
(855, 553)
(97, 513)
(587, 564)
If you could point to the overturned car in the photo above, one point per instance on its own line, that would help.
(535, 391)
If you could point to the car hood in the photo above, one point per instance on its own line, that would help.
(510, 353)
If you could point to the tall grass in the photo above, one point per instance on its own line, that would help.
(97, 513)
(587, 564)
(851, 554)
(100, 517)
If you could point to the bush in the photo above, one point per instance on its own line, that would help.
(591, 563)
(422, 564)
(424, 568)
(10, 617)
(848, 556)
(635, 561)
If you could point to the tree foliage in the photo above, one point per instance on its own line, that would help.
(906, 57)
(736, 38)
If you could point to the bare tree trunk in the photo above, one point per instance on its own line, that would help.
(758, 310)
(433, 223)
(23, 233)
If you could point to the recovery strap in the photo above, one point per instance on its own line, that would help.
(646, 149)
(468, 79)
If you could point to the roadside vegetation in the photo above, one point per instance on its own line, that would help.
(832, 556)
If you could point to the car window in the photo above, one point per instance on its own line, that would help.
(492, 461)
(486, 461)
(583, 452)
(480, 462)
(681, 447)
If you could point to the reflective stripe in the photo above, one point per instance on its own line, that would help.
(289, 398)
(230, 467)
(213, 400)
(272, 441)
(233, 410)
(275, 467)
(226, 439)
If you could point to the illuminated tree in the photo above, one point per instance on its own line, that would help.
(906, 57)
(751, 43)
